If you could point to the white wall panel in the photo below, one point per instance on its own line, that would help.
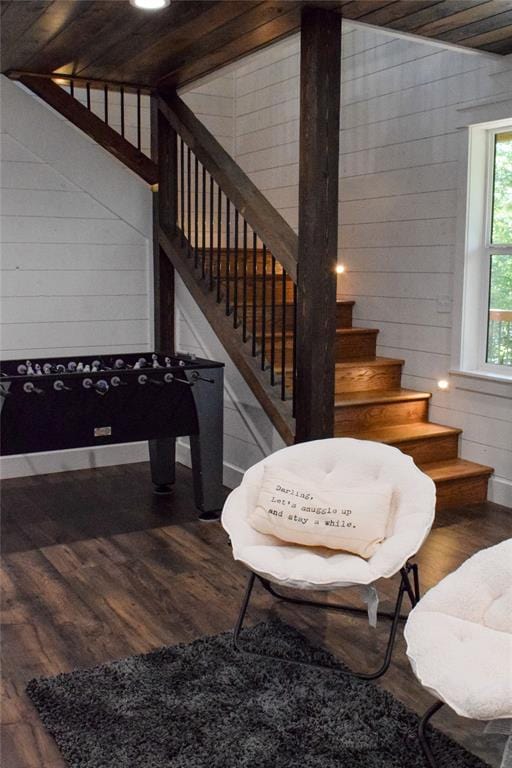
(75, 254)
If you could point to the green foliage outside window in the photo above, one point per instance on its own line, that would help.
(502, 198)
(499, 337)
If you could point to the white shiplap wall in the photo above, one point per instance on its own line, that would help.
(405, 106)
(75, 253)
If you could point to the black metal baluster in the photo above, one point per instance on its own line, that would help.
(244, 309)
(203, 229)
(88, 95)
(196, 213)
(254, 296)
(263, 305)
(283, 337)
(121, 97)
(273, 322)
(182, 190)
(294, 364)
(219, 240)
(138, 118)
(235, 275)
(72, 88)
(189, 197)
(105, 99)
(211, 233)
(228, 254)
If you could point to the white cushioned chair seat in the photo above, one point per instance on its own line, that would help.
(347, 461)
(459, 636)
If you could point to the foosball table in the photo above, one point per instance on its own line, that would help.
(60, 403)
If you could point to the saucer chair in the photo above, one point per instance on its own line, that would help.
(276, 563)
(459, 640)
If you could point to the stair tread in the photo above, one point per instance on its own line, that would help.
(345, 303)
(402, 433)
(373, 361)
(357, 331)
(380, 396)
(452, 469)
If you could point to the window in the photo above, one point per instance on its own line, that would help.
(498, 350)
(487, 303)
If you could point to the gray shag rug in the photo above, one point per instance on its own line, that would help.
(204, 705)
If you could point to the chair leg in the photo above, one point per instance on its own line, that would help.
(425, 746)
(404, 587)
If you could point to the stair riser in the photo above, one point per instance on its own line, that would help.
(430, 449)
(360, 378)
(344, 315)
(352, 418)
(355, 346)
(457, 492)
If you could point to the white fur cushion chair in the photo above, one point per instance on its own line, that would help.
(459, 639)
(275, 562)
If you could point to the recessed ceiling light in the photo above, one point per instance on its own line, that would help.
(150, 5)
(443, 384)
(340, 269)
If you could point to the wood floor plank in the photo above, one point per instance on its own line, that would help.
(95, 568)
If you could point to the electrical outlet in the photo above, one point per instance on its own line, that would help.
(444, 304)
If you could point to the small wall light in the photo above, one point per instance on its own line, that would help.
(340, 269)
(150, 5)
(443, 384)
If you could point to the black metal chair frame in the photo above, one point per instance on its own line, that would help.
(422, 733)
(412, 590)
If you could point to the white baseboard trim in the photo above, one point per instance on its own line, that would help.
(102, 456)
(75, 458)
(500, 491)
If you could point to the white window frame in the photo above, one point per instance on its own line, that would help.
(479, 250)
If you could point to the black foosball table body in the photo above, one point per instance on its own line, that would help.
(59, 403)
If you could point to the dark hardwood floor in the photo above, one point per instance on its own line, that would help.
(95, 567)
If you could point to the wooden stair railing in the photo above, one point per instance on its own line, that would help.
(83, 117)
(236, 254)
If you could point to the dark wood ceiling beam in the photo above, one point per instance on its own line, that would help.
(397, 10)
(131, 56)
(501, 47)
(234, 29)
(436, 13)
(93, 126)
(503, 34)
(157, 60)
(279, 27)
(110, 40)
(357, 8)
(478, 28)
(462, 18)
(17, 19)
(96, 22)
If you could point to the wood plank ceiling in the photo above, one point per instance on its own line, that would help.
(110, 40)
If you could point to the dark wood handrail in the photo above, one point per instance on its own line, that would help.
(93, 126)
(271, 227)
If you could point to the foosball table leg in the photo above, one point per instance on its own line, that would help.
(207, 447)
(162, 456)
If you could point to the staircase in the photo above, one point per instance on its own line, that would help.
(370, 404)
(238, 258)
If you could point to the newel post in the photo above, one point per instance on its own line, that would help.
(320, 73)
(165, 202)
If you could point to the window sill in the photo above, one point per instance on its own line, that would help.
(484, 382)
